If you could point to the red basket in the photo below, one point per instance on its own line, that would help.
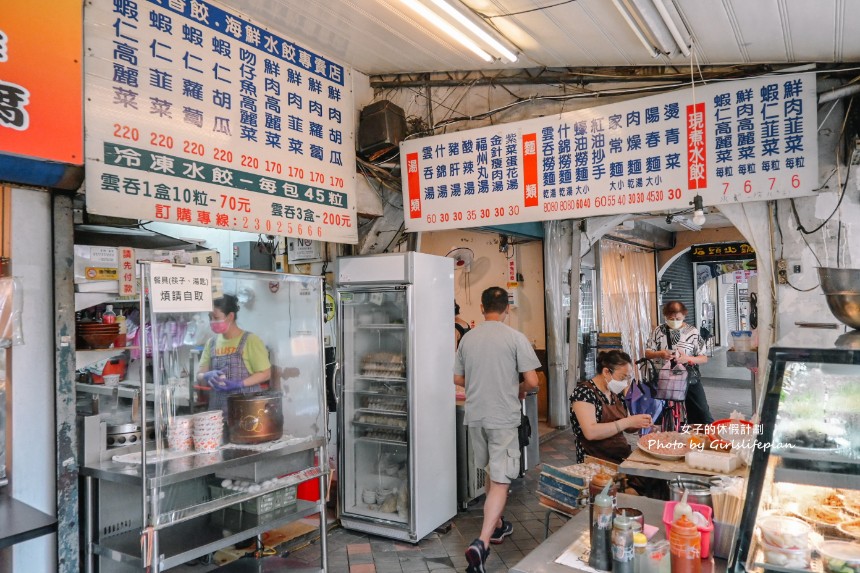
(669, 512)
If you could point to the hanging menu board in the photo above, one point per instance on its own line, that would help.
(196, 115)
(745, 140)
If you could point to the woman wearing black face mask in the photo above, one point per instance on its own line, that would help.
(687, 345)
(598, 413)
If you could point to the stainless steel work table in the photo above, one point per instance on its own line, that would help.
(542, 559)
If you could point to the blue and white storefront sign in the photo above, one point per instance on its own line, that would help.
(745, 140)
(196, 115)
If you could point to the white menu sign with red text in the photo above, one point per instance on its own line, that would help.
(196, 115)
(745, 140)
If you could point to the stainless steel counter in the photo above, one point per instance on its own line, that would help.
(542, 559)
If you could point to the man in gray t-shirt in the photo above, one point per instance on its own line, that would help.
(488, 363)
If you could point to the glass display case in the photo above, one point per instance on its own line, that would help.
(222, 465)
(802, 506)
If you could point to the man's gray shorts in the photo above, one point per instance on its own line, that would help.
(497, 450)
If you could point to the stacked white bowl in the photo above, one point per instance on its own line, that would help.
(208, 430)
(180, 434)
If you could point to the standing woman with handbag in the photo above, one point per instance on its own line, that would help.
(681, 342)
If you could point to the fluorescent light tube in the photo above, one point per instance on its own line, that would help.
(635, 27)
(456, 34)
(673, 29)
(475, 29)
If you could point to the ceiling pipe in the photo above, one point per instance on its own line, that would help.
(838, 93)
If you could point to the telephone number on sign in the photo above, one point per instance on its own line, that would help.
(207, 218)
(474, 214)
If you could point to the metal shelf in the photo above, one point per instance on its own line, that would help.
(124, 391)
(380, 441)
(381, 326)
(395, 379)
(817, 478)
(21, 522)
(84, 358)
(202, 535)
(377, 411)
(169, 519)
(177, 470)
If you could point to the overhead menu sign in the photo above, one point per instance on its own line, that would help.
(196, 115)
(746, 140)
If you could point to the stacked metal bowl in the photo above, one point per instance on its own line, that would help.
(842, 289)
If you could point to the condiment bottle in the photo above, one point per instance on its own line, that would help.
(657, 553)
(109, 316)
(622, 544)
(640, 543)
(682, 508)
(685, 544)
(595, 486)
(601, 531)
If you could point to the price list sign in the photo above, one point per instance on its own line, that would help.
(196, 115)
(746, 140)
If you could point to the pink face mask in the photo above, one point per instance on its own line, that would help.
(218, 326)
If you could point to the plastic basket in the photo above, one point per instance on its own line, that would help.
(669, 511)
(263, 503)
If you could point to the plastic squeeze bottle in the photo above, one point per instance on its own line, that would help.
(622, 544)
(595, 486)
(685, 543)
(601, 531)
(682, 508)
(640, 543)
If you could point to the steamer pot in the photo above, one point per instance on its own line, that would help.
(255, 418)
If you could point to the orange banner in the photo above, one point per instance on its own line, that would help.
(40, 80)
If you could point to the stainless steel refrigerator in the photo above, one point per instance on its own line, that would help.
(397, 459)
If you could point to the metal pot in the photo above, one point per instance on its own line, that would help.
(843, 294)
(699, 491)
(255, 418)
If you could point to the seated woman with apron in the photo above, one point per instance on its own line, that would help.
(235, 361)
(598, 414)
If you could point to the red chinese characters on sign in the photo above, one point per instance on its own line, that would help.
(697, 167)
(414, 186)
(127, 279)
(530, 170)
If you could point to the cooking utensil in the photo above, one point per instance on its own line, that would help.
(842, 293)
(255, 418)
(699, 491)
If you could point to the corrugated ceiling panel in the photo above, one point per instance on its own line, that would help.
(761, 29)
(812, 26)
(850, 37)
(712, 30)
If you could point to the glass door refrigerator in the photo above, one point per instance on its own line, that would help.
(397, 456)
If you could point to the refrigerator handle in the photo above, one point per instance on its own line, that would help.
(338, 385)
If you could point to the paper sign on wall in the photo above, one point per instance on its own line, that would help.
(180, 288)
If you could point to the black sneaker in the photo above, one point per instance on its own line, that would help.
(501, 532)
(476, 555)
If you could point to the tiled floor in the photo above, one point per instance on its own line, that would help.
(355, 552)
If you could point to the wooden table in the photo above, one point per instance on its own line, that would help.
(542, 559)
(641, 464)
